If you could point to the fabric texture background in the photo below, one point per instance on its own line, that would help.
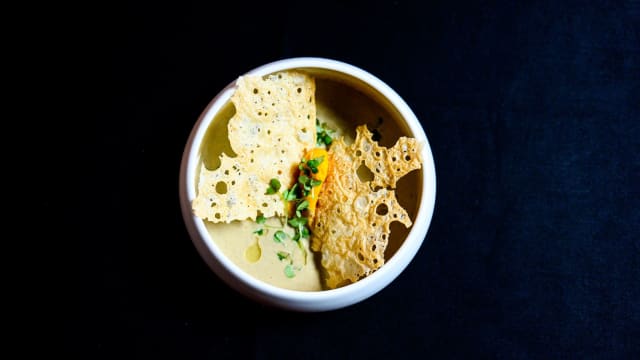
(532, 110)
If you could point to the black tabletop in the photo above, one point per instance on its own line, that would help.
(532, 111)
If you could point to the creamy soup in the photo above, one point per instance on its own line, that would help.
(284, 262)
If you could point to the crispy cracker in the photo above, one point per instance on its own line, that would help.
(351, 228)
(273, 126)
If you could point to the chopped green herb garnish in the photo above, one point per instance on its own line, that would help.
(274, 186)
(279, 236)
(305, 232)
(323, 134)
(261, 219)
(302, 232)
(259, 231)
(283, 255)
(314, 163)
(302, 205)
(298, 221)
(289, 271)
(298, 192)
(275, 183)
(300, 225)
(303, 179)
(290, 195)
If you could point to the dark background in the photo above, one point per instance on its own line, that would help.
(532, 111)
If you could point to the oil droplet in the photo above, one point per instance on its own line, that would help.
(253, 252)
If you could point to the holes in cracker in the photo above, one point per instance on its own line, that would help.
(364, 174)
(221, 187)
(382, 209)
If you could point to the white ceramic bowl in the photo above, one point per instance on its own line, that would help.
(323, 300)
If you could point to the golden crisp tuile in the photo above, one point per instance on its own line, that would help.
(273, 126)
(351, 229)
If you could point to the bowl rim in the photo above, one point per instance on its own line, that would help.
(297, 300)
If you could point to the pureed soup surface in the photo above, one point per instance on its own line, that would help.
(286, 263)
